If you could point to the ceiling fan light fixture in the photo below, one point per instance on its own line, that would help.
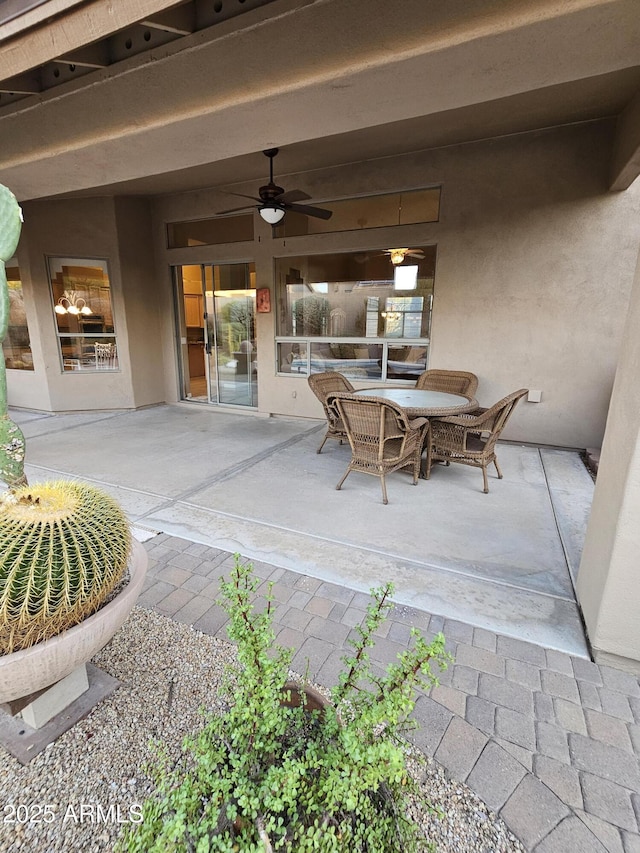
(274, 202)
(271, 212)
(397, 256)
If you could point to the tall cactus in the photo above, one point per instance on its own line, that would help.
(63, 548)
(11, 437)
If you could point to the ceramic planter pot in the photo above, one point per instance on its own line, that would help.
(29, 670)
(294, 695)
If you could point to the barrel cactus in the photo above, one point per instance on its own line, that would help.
(63, 548)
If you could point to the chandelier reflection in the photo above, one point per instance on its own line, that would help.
(71, 303)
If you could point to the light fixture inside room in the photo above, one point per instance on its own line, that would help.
(271, 212)
(397, 256)
(71, 303)
(405, 277)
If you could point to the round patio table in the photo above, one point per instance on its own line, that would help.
(422, 404)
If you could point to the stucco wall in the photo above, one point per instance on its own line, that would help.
(607, 586)
(533, 279)
(535, 261)
(91, 228)
(142, 308)
(534, 270)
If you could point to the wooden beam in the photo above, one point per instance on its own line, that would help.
(22, 84)
(180, 21)
(19, 15)
(93, 56)
(49, 39)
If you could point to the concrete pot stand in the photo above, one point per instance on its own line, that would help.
(47, 688)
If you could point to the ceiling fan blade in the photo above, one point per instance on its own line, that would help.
(243, 195)
(292, 195)
(318, 212)
(417, 254)
(235, 209)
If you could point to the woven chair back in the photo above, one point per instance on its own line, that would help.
(323, 384)
(381, 436)
(450, 381)
(373, 425)
(501, 412)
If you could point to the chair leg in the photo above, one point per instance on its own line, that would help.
(427, 462)
(417, 467)
(484, 477)
(385, 499)
(495, 462)
(346, 474)
(323, 441)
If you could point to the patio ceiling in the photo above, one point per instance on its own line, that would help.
(331, 81)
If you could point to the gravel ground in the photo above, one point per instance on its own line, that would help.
(93, 777)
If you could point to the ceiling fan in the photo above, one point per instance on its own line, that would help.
(274, 202)
(398, 255)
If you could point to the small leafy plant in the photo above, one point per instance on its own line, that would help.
(264, 776)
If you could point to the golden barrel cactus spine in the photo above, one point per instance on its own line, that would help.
(63, 548)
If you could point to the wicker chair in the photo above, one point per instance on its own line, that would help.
(451, 381)
(471, 439)
(382, 437)
(323, 384)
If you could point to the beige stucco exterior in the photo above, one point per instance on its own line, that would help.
(525, 112)
(608, 577)
(511, 307)
(117, 230)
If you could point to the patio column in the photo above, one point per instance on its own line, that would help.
(609, 577)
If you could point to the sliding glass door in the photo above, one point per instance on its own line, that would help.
(215, 309)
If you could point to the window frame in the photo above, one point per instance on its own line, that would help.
(83, 364)
(306, 342)
(7, 343)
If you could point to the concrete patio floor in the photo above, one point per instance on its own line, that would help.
(521, 716)
(505, 561)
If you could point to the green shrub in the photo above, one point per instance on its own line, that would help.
(263, 777)
(311, 314)
(63, 547)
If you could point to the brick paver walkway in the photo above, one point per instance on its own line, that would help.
(548, 741)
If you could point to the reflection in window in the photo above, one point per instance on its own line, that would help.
(356, 313)
(375, 211)
(16, 345)
(84, 317)
(403, 316)
(209, 232)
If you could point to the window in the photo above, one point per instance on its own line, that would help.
(84, 317)
(356, 313)
(351, 214)
(16, 345)
(375, 211)
(208, 232)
